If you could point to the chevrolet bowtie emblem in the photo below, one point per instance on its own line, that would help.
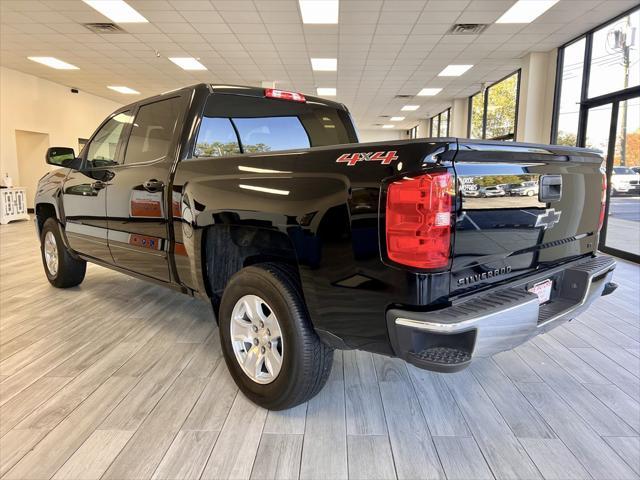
(548, 219)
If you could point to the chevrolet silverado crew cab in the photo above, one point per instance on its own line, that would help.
(303, 240)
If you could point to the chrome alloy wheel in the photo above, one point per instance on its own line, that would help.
(256, 339)
(51, 253)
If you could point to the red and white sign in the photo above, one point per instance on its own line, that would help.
(385, 158)
(542, 290)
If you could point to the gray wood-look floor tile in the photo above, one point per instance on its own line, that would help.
(278, 457)
(553, 459)
(324, 452)
(462, 459)
(370, 457)
(138, 389)
(365, 415)
(628, 448)
(590, 449)
(235, 450)
(95, 455)
(187, 455)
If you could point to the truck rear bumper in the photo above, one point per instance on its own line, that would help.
(488, 323)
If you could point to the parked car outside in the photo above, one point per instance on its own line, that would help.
(526, 189)
(495, 191)
(624, 180)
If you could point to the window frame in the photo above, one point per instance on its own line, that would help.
(438, 116)
(485, 104)
(175, 138)
(586, 102)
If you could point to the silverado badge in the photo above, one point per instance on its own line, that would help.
(548, 219)
(385, 158)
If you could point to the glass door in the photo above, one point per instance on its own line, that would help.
(614, 128)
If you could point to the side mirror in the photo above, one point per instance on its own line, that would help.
(60, 156)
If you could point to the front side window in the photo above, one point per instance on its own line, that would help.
(104, 145)
(152, 131)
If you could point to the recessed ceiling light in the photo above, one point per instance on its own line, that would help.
(387, 126)
(454, 70)
(53, 63)
(187, 63)
(125, 90)
(326, 92)
(396, 119)
(429, 92)
(410, 108)
(117, 11)
(526, 11)
(324, 64)
(319, 11)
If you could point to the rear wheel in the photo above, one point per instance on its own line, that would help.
(269, 344)
(62, 269)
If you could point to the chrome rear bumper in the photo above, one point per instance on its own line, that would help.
(500, 320)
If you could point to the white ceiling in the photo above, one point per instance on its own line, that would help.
(384, 47)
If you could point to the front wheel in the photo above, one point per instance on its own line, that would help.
(62, 270)
(269, 344)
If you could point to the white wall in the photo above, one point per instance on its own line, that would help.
(381, 135)
(33, 104)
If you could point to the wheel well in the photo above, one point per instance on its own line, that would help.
(43, 212)
(228, 249)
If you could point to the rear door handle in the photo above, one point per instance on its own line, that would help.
(153, 185)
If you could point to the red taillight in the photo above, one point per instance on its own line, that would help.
(603, 201)
(284, 95)
(418, 220)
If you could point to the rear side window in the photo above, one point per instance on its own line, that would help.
(216, 138)
(152, 131)
(233, 124)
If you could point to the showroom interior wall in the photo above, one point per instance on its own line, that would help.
(32, 104)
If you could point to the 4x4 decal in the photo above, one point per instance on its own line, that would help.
(385, 158)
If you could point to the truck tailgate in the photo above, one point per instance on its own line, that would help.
(521, 208)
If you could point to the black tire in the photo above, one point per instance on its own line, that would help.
(70, 271)
(306, 361)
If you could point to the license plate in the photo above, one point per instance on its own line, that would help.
(542, 290)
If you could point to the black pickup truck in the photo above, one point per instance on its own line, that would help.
(304, 240)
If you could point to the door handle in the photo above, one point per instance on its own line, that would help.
(550, 188)
(99, 185)
(153, 185)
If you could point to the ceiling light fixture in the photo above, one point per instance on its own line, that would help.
(324, 64)
(53, 63)
(526, 11)
(319, 11)
(117, 11)
(326, 91)
(454, 70)
(396, 119)
(187, 63)
(387, 126)
(410, 108)
(123, 89)
(429, 92)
